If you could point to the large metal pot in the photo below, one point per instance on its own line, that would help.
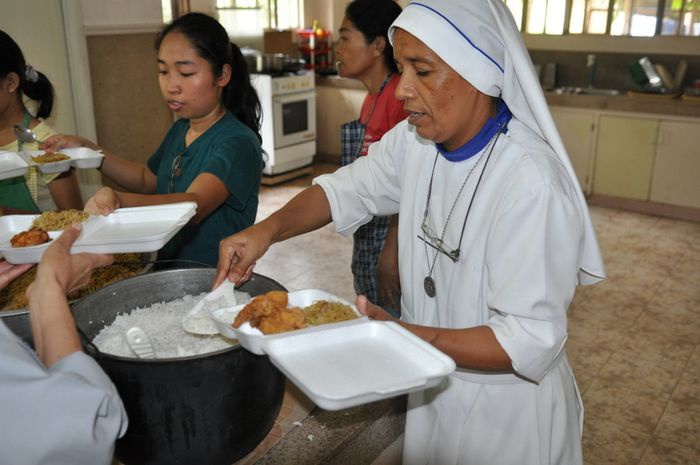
(213, 408)
(273, 62)
(253, 59)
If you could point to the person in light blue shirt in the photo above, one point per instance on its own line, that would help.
(57, 405)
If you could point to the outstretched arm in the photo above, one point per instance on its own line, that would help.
(306, 212)
(133, 176)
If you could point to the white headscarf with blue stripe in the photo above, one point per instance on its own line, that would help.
(480, 41)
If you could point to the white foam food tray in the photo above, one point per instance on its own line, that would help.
(11, 165)
(349, 365)
(252, 338)
(80, 157)
(136, 229)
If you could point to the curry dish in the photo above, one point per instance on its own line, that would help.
(50, 158)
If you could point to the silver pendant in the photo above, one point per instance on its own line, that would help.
(429, 286)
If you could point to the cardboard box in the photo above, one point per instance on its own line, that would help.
(280, 41)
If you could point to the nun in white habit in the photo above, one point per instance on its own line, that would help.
(494, 237)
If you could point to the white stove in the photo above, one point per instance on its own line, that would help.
(288, 120)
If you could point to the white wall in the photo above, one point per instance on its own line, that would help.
(46, 51)
(121, 16)
(50, 34)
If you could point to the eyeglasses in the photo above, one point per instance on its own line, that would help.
(175, 170)
(432, 239)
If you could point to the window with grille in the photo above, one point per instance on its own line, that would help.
(638, 18)
(244, 18)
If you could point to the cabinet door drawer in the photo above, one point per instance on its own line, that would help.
(676, 179)
(625, 157)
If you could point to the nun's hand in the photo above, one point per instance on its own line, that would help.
(374, 312)
(238, 254)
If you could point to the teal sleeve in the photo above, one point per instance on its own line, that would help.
(238, 163)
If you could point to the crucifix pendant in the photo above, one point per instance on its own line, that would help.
(429, 286)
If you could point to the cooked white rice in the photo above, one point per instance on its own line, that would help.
(162, 322)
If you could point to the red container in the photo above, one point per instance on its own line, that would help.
(315, 47)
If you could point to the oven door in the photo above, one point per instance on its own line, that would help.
(294, 118)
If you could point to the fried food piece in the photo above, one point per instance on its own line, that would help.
(285, 319)
(260, 306)
(323, 312)
(269, 313)
(50, 158)
(29, 238)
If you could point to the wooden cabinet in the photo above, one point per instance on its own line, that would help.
(625, 156)
(676, 173)
(577, 129)
(334, 106)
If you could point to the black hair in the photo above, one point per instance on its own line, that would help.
(211, 41)
(12, 61)
(373, 18)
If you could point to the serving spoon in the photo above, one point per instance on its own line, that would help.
(140, 343)
(198, 321)
(25, 135)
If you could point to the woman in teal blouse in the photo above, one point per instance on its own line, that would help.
(211, 155)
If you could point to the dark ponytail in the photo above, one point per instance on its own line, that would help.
(239, 95)
(32, 83)
(212, 43)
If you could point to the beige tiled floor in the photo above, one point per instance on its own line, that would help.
(634, 340)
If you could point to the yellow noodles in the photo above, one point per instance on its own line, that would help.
(323, 312)
(59, 220)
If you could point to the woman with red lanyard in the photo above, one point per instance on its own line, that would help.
(364, 52)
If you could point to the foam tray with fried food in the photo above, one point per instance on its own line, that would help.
(271, 314)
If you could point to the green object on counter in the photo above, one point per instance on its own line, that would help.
(637, 73)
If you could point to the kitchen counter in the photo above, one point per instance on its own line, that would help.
(632, 103)
(307, 435)
(339, 82)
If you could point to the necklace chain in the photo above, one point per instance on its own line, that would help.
(429, 282)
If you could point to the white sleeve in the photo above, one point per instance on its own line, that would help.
(370, 186)
(532, 263)
(68, 414)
